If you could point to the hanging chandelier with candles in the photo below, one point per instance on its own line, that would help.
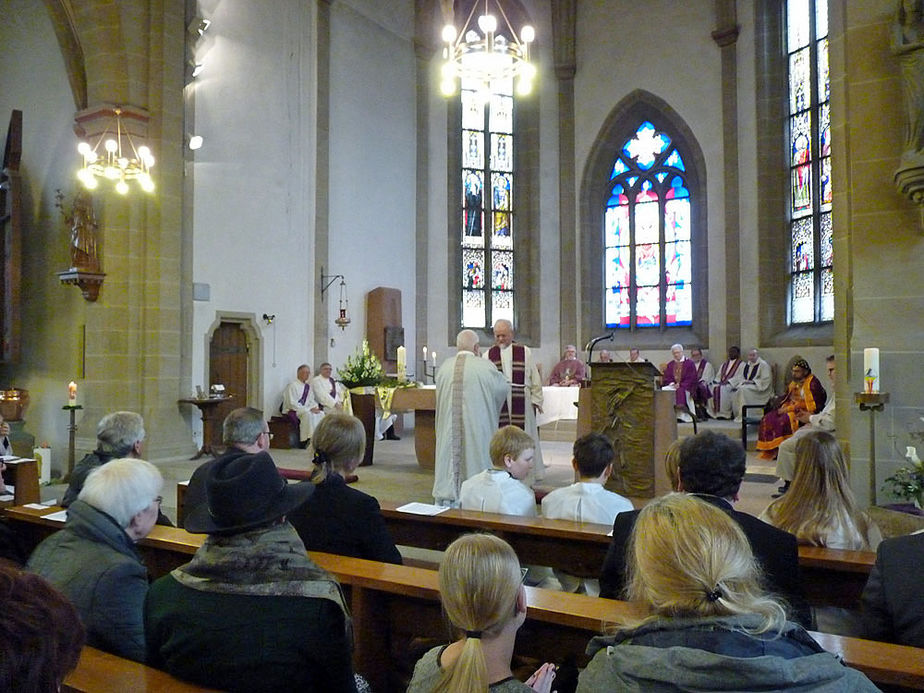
(114, 157)
(489, 55)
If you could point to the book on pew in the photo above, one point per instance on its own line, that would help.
(422, 508)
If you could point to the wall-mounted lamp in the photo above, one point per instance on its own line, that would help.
(268, 319)
(342, 319)
(195, 142)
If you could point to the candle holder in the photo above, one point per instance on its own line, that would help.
(71, 436)
(429, 372)
(872, 402)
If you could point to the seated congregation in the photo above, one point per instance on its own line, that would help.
(715, 591)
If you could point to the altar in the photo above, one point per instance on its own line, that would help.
(558, 403)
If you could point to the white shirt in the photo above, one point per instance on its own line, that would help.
(585, 502)
(495, 491)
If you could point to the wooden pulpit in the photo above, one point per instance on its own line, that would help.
(625, 404)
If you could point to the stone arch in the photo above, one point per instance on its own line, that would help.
(617, 127)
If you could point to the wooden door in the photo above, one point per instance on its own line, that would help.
(228, 360)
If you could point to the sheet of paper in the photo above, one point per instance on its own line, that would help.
(59, 516)
(6, 497)
(35, 506)
(422, 509)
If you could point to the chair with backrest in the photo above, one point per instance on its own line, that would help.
(753, 419)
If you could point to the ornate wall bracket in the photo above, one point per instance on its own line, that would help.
(89, 282)
(909, 179)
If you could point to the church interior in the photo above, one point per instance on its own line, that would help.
(328, 167)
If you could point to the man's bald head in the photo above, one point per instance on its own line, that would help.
(467, 340)
(503, 333)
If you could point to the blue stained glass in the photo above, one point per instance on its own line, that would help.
(677, 189)
(678, 305)
(646, 145)
(616, 226)
(647, 265)
(674, 159)
(677, 220)
(617, 273)
(630, 181)
(677, 268)
(501, 191)
(618, 167)
(661, 176)
(617, 307)
(472, 149)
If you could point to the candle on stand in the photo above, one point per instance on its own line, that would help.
(402, 364)
(433, 353)
(71, 394)
(425, 355)
(871, 370)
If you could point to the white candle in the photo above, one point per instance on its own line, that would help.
(71, 394)
(402, 364)
(434, 357)
(425, 355)
(871, 370)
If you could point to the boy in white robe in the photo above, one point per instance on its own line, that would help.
(501, 489)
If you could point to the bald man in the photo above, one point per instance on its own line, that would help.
(469, 394)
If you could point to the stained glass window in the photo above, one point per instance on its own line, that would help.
(811, 285)
(488, 204)
(647, 235)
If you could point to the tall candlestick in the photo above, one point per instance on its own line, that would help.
(402, 364)
(71, 393)
(871, 370)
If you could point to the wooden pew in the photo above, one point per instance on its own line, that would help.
(832, 577)
(101, 672)
(393, 604)
(22, 475)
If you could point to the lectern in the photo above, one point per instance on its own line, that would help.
(625, 404)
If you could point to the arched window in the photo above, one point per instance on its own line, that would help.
(647, 235)
(488, 218)
(811, 256)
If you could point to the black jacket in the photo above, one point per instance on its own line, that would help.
(893, 609)
(339, 519)
(776, 551)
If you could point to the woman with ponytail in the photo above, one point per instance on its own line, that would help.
(483, 597)
(706, 621)
(337, 518)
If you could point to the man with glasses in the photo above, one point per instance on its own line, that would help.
(245, 432)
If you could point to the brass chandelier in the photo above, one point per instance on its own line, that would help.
(114, 157)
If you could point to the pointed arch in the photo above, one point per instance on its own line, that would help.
(620, 126)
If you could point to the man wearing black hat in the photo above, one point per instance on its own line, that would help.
(250, 611)
(244, 432)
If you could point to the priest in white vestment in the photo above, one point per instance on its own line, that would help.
(298, 400)
(756, 386)
(524, 381)
(469, 395)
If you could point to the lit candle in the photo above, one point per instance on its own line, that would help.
(425, 354)
(71, 394)
(434, 357)
(871, 370)
(402, 364)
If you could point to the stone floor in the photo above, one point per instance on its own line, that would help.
(395, 475)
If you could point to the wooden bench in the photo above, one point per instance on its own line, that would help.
(393, 605)
(831, 577)
(22, 475)
(101, 672)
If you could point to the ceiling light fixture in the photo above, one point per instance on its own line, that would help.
(115, 157)
(487, 56)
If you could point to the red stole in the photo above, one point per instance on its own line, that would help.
(516, 414)
(729, 368)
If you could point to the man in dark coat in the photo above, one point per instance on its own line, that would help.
(893, 608)
(712, 467)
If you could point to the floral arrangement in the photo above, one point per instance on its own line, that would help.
(362, 368)
(908, 482)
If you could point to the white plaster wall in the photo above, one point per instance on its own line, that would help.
(372, 166)
(253, 241)
(33, 79)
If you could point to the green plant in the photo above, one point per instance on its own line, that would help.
(361, 369)
(908, 482)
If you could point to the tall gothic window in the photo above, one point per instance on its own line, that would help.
(811, 284)
(647, 235)
(488, 218)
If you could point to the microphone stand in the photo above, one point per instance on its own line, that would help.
(593, 342)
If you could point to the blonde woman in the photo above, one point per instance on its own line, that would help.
(819, 507)
(709, 623)
(338, 518)
(482, 595)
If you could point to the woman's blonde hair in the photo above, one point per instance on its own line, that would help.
(672, 464)
(819, 500)
(337, 445)
(479, 583)
(687, 558)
